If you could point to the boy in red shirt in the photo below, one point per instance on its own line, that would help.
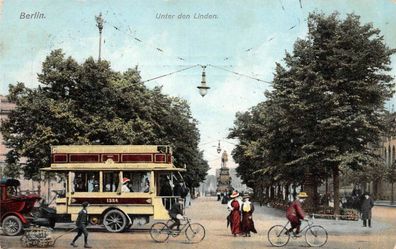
(295, 213)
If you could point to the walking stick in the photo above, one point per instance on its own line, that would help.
(69, 231)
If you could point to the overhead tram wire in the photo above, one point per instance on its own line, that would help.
(140, 41)
(168, 74)
(240, 74)
(164, 75)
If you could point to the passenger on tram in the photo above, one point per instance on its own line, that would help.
(125, 188)
(93, 184)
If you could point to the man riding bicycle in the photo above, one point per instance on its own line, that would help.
(295, 213)
(176, 213)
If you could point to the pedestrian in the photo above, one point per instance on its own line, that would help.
(367, 205)
(218, 196)
(247, 216)
(176, 213)
(82, 223)
(295, 213)
(235, 214)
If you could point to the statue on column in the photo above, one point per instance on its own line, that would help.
(223, 175)
(224, 159)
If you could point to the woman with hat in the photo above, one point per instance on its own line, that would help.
(295, 213)
(367, 205)
(235, 215)
(125, 188)
(247, 216)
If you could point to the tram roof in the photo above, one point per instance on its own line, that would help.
(110, 149)
(112, 167)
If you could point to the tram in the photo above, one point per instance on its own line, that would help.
(122, 183)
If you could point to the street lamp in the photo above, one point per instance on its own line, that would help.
(203, 88)
(99, 24)
(218, 147)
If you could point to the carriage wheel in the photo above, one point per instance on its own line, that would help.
(12, 225)
(115, 221)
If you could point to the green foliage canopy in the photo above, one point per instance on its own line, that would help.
(89, 103)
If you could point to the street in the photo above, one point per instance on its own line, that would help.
(211, 214)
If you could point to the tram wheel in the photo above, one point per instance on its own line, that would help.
(115, 221)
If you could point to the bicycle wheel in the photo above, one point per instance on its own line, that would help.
(195, 233)
(278, 235)
(316, 236)
(159, 232)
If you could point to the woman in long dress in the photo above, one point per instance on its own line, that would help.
(247, 216)
(235, 215)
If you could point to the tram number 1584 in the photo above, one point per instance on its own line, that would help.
(112, 200)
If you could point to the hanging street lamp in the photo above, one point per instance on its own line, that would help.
(203, 88)
(218, 147)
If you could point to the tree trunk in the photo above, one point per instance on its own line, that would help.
(287, 192)
(336, 189)
(309, 188)
(272, 193)
(267, 193)
(392, 194)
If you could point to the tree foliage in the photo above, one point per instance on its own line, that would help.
(89, 103)
(329, 99)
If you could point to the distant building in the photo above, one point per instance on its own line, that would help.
(383, 188)
(208, 187)
(5, 109)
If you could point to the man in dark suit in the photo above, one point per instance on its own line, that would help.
(176, 213)
(82, 223)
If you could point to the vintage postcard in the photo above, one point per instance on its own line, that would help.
(198, 124)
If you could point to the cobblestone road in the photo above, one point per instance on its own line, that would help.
(211, 214)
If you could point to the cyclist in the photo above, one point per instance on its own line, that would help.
(295, 213)
(176, 213)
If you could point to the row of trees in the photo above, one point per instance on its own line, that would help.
(89, 103)
(325, 113)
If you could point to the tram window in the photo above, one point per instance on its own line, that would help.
(138, 181)
(165, 185)
(86, 182)
(110, 181)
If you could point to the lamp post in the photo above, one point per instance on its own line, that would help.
(203, 88)
(99, 24)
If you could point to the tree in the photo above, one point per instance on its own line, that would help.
(89, 103)
(330, 96)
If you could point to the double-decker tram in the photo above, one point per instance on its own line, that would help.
(122, 183)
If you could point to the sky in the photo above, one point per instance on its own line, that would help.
(247, 37)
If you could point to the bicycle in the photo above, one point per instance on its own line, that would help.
(194, 232)
(315, 235)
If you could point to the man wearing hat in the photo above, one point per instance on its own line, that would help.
(124, 188)
(176, 213)
(367, 205)
(82, 223)
(295, 213)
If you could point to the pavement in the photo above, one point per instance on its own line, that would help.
(385, 203)
(212, 215)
